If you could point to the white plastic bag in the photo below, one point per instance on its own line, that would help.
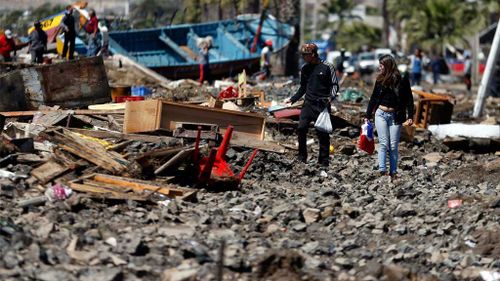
(324, 123)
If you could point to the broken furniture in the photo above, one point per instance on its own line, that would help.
(190, 130)
(152, 115)
(432, 109)
(214, 168)
(70, 84)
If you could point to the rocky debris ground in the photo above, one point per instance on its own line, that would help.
(287, 222)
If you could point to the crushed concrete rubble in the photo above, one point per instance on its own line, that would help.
(100, 204)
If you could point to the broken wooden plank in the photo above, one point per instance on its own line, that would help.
(12, 114)
(121, 145)
(100, 183)
(29, 158)
(48, 171)
(90, 151)
(135, 137)
(107, 106)
(51, 118)
(92, 120)
(175, 161)
(151, 115)
(159, 152)
(98, 192)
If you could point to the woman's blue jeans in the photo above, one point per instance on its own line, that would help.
(388, 138)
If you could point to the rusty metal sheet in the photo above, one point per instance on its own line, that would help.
(72, 84)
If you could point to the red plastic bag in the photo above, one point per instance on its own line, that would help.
(366, 141)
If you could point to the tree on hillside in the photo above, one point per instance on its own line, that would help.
(341, 8)
(358, 35)
(153, 13)
(439, 22)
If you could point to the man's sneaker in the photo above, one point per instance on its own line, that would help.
(323, 174)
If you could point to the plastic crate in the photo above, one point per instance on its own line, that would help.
(140, 91)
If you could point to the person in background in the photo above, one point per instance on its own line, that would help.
(416, 65)
(436, 68)
(265, 59)
(204, 61)
(7, 45)
(340, 64)
(38, 43)
(104, 51)
(68, 27)
(92, 29)
(319, 84)
(392, 104)
(468, 73)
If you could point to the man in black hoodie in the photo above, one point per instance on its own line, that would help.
(319, 84)
(68, 27)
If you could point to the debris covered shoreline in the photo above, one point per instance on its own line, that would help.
(285, 219)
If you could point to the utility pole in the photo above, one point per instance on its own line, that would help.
(485, 86)
(315, 20)
(475, 59)
(385, 28)
(302, 20)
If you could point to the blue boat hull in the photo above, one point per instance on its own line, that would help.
(217, 70)
(171, 51)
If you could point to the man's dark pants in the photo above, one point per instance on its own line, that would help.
(69, 39)
(308, 114)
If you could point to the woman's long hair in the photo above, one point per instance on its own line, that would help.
(390, 76)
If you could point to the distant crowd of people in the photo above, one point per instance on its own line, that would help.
(70, 26)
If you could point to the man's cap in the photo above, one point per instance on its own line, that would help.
(309, 48)
(37, 23)
(269, 42)
(8, 33)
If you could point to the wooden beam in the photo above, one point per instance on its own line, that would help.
(134, 137)
(175, 161)
(100, 183)
(11, 114)
(48, 171)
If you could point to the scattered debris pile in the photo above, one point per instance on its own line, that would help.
(126, 194)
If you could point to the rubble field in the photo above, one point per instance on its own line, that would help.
(286, 220)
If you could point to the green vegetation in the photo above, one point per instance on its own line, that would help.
(19, 23)
(356, 35)
(429, 24)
